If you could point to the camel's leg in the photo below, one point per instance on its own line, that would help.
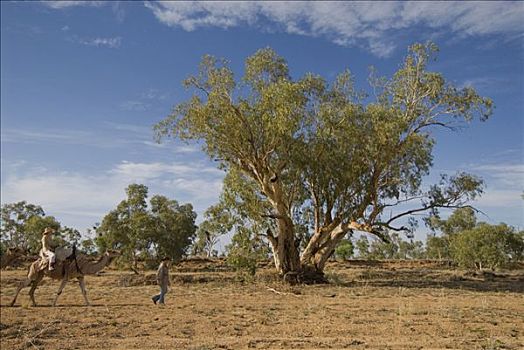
(34, 285)
(82, 284)
(21, 286)
(62, 285)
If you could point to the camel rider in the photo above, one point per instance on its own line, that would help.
(47, 248)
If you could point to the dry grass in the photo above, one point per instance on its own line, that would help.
(388, 306)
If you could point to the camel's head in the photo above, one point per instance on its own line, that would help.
(113, 253)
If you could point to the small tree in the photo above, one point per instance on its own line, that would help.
(173, 227)
(217, 223)
(362, 245)
(14, 218)
(245, 251)
(345, 250)
(34, 227)
(437, 247)
(487, 246)
(164, 229)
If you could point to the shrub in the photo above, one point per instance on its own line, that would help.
(487, 246)
(437, 248)
(344, 250)
(244, 252)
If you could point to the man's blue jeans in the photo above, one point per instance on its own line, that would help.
(160, 297)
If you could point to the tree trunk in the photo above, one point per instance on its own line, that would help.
(287, 252)
(318, 256)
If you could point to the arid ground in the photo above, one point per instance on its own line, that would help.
(395, 305)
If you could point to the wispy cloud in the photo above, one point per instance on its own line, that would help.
(157, 169)
(504, 186)
(112, 42)
(489, 83)
(113, 136)
(505, 199)
(145, 100)
(57, 5)
(372, 25)
(154, 94)
(116, 6)
(139, 106)
(118, 11)
(109, 135)
(511, 175)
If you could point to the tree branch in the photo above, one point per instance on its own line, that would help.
(427, 207)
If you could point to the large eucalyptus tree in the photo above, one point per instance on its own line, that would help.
(310, 161)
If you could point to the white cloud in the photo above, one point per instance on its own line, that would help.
(58, 5)
(372, 25)
(489, 83)
(116, 6)
(112, 43)
(510, 175)
(79, 200)
(141, 171)
(497, 198)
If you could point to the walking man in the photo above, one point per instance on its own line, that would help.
(47, 248)
(162, 277)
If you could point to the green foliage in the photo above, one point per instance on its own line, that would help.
(395, 248)
(23, 224)
(344, 250)
(173, 227)
(14, 229)
(142, 233)
(88, 246)
(461, 219)
(217, 223)
(437, 248)
(487, 246)
(245, 251)
(310, 155)
(34, 227)
(362, 245)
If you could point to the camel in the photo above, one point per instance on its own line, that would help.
(64, 270)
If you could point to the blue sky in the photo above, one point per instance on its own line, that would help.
(82, 84)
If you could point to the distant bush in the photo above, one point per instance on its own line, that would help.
(344, 250)
(437, 248)
(487, 246)
(396, 248)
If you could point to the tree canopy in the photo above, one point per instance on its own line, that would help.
(310, 160)
(23, 224)
(164, 228)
